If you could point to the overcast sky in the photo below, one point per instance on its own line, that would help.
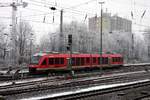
(75, 10)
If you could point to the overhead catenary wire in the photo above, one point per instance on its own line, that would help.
(74, 11)
(59, 8)
(75, 6)
(78, 5)
(46, 13)
(65, 16)
(68, 9)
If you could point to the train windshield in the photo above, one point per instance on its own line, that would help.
(35, 59)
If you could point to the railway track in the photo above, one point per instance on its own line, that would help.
(125, 68)
(15, 84)
(57, 85)
(74, 85)
(97, 92)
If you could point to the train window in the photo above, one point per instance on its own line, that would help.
(57, 61)
(51, 61)
(98, 60)
(119, 59)
(94, 60)
(73, 62)
(105, 60)
(35, 59)
(116, 59)
(87, 60)
(82, 61)
(61, 60)
(112, 59)
(77, 61)
(44, 62)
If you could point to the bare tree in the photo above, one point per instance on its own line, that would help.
(4, 41)
(23, 41)
(45, 43)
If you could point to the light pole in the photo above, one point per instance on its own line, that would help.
(101, 38)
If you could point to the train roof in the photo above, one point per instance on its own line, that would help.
(115, 55)
(39, 54)
(82, 55)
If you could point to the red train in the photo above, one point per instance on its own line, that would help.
(60, 62)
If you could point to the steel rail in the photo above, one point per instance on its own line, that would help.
(42, 85)
(84, 94)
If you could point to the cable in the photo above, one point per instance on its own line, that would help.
(72, 11)
(41, 22)
(81, 4)
(59, 8)
(41, 2)
(69, 8)
(58, 23)
(36, 10)
(32, 21)
(35, 15)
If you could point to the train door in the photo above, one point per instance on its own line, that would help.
(88, 61)
(109, 61)
(69, 67)
(94, 62)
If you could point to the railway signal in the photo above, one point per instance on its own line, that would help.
(69, 42)
(70, 39)
(69, 48)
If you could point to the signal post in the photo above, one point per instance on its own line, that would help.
(69, 48)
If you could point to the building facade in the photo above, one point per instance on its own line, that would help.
(110, 23)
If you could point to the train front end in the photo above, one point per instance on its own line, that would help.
(35, 62)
